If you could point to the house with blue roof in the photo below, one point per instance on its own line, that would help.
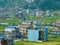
(2, 36)
(12, 30)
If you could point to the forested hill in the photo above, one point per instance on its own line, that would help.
(41, 4)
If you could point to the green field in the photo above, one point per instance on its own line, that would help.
(51, 41)
(46, 19)
(35, 43)
(10, 21)
(42, 20)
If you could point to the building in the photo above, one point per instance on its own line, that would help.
(55, 32)
(5, 41)
(33, 35)
(9, 38)
(49, 13)
(36, 24)
(58, 23)
(39, 14)
(33, 30)
(24, 26)
(7, 16)
(18, 13)
(38, 35)
(12, 31)
(10, 28)
(1, 16)
(2, 41)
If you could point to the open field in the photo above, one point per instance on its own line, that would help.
(33, 43)
(43, 20)
(52, 41)
(10, 21)
(36, 43)
(46, 19)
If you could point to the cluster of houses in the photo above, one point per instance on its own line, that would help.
(33, 31)
(56, 32)
(4, 13)
(37, 13)
(27, 29)
(19, 13)
(5, 41)
(7, 38)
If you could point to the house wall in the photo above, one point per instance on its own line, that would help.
(0, 42)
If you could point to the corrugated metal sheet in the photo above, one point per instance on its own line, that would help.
(2, 36)
(33, 35)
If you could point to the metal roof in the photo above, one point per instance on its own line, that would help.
(11, 26)
(2, 36)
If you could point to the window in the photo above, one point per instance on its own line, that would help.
(28, 28)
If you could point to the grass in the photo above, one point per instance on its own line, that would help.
(51, 41)
(46, 19)
(36, 43)
(10, 21)
(2, 28)
(43, 20)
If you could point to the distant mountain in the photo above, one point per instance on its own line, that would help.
(41, 4)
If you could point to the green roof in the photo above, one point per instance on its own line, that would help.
(28, 21)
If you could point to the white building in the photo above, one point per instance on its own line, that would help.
(29, 1)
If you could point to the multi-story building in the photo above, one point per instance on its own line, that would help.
(23, 26)
(26, 25)
(55, 32)
(38, 35)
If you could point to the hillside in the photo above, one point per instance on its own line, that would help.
(41, 4)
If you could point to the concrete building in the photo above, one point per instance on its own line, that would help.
(49, 13)
(6, 41)
(38, 35)
(12, 31)
(2, 41)
(55, 33)
(39, 14)
(24, 26)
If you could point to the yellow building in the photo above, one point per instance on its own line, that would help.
(24, 26)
